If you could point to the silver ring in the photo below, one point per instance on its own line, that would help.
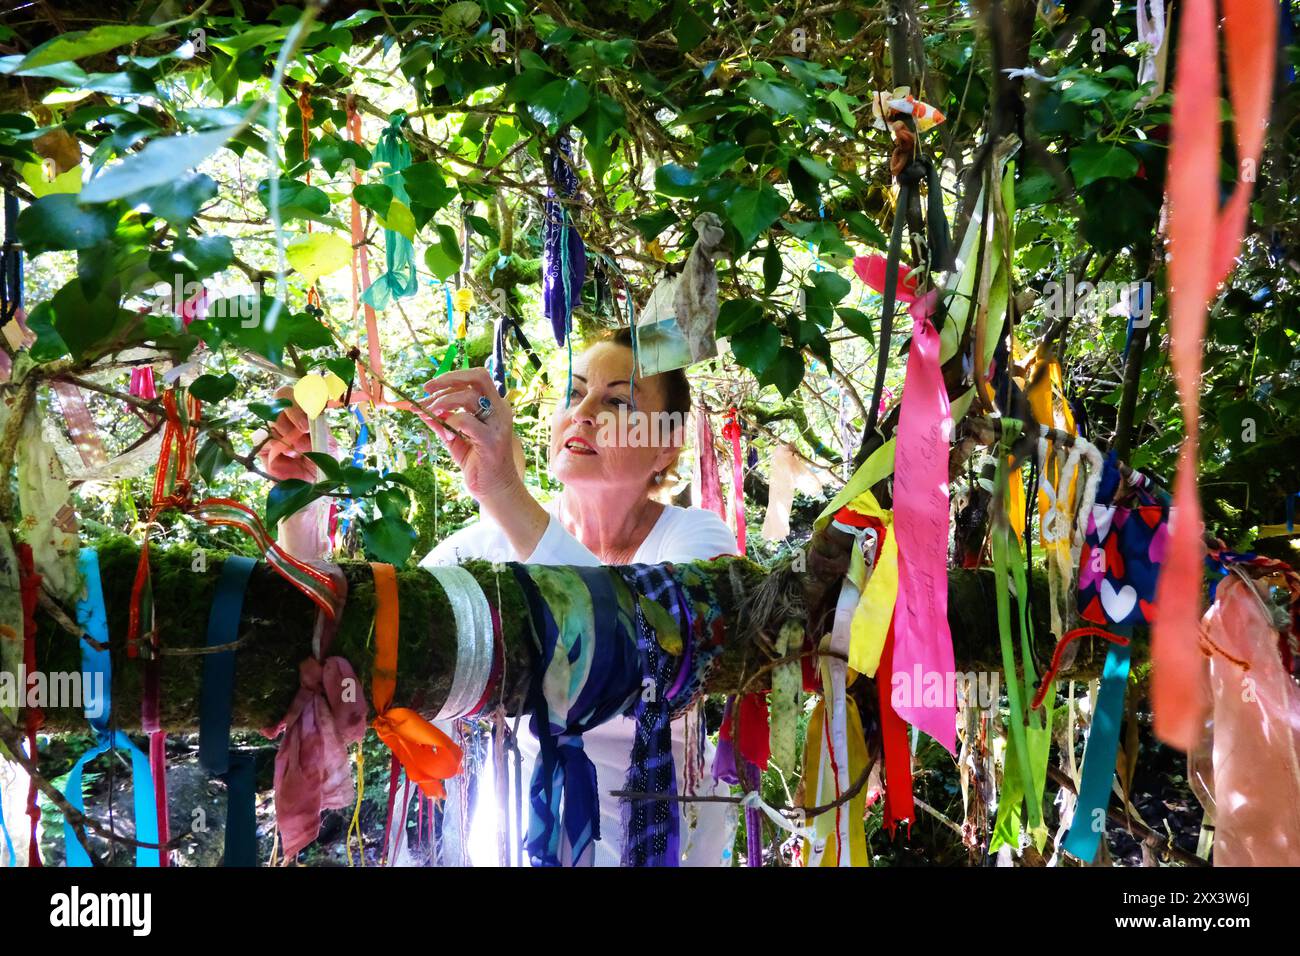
(484, 408)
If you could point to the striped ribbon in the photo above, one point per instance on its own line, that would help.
(172, 490)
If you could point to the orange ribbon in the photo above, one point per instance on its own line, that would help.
(1203, 245)
(426, 754)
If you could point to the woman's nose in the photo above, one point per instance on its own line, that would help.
(585, 410)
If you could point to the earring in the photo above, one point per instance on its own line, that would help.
(659, 478)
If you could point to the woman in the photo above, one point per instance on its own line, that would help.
(606, 514)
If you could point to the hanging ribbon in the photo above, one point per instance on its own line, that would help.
(564, 256)
(731, 431)
(400, 279)
(216, 696)
(1203, 244)
(589, 670)
(427, 755)
(81, 427)
(361, 262)
(707, 486)
(921, 511)
(1099, 755)
(96, 672)
(172, 489)
(1025, 774)
(652, 828)
(899, 801)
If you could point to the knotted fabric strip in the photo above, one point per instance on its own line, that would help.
(312, 770)
(474, 640)
(215, 704)
(426, 754)
(96, 670)
(652, 828)
(588, 670)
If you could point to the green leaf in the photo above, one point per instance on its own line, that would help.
(866, 230)
(392, 502)
(83, 43)
(752, 211)
(388, 539)
(206, 255)
(297, 199)
(85, 322)
(374, 196)
(269, 412)
(1094, 161)
(1084, 89)
(831, 284)
(857, 322)
(287, 497)
(329, 466)
(60, 222)
(213, 388)
(736, 315)
(756, 346)
(782, 99)
(210, 460)
(689, 28)
(427, 187)
(398, 219)
(772, 268)
(178, 201)
(785, 372)
(161, 161)
(559, 103)
(444, 257)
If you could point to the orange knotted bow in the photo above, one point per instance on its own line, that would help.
(426, 754)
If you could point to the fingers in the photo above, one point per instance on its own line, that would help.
(476, 377)
(463, 399)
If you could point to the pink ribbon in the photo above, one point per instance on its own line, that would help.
(923, 643)
(142, 382)
(731, 432)
(871, 270)
(710, 485)
(311, 767)
(1203, 245)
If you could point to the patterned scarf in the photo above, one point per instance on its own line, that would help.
(587, 671)
(651, 828)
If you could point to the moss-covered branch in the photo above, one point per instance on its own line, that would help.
(277, 626)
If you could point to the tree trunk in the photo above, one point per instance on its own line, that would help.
(277, 625)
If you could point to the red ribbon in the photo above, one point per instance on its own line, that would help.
(899, 804)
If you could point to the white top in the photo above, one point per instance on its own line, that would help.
(680, 534)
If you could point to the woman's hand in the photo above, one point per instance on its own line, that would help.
(288, 442)
(484, 447)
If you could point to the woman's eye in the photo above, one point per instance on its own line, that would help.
(617, 400)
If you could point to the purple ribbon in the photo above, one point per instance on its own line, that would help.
(557, 304)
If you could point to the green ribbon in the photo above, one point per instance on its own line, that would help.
(400, 279)
(1025, 776)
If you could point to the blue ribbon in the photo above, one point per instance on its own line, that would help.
(1099, 756)
(13, 861)
(216, 694)
(96, 683)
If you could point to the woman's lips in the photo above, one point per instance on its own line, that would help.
(579, 446)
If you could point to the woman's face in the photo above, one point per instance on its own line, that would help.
(598, 439)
